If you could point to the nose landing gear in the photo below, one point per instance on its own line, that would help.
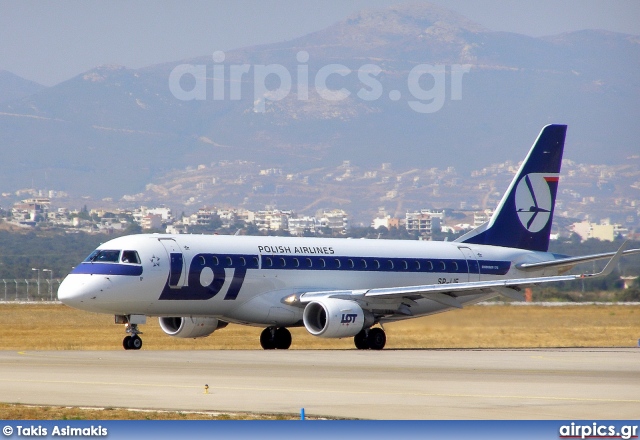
(132, 341)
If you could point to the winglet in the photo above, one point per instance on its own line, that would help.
(610, 265)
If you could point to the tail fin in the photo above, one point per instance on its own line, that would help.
(524, 216)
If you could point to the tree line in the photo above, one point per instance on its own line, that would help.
(59, 252)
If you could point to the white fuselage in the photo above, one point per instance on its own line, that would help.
(244, 279)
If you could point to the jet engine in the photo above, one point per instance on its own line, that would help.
(335, 318)
(190, 327)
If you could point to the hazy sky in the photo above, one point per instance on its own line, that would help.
(49, 42)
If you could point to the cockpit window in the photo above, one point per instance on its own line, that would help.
(130, 257)
(103, 256)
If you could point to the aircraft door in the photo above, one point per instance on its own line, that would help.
(472, 263)
(177, 268)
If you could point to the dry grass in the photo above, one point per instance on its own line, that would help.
(57, 327)
(37, 412)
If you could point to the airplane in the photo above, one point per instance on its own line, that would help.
(334, 287)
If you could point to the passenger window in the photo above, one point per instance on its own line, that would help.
(130, 257)
(283, 263)
(350, 264)
(255, 261)
(455, 266)
(296, 262)
(376, 264)
(309, 262)
(390, 264)
(338, 264)
(443, 266)
(243, 262)
(215, 261)
(417, 265)
(268, 261)
(229, 261)
(404, 265)
(429, 265)
(363, 262)
(201, 260)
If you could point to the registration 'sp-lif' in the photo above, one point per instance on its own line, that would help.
(334, 287)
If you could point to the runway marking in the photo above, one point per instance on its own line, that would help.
(324, 391)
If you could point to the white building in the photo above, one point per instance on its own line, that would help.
(151, 221)
(605, 231)
(163, 212)
(481, 217)
(272, 220)
(298, 226)
(423, 221)
(336, 220)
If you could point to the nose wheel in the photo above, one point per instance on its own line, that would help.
(132, 341)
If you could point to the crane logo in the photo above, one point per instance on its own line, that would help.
(533, 201)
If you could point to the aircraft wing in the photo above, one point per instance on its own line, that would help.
(447, 294)
(568, 262)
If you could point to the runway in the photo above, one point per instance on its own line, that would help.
(391, 384)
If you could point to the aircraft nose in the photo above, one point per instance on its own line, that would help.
(72, 290)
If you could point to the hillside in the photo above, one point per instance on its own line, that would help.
(112, 130)
(14, 87)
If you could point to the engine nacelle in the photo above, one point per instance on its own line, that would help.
(335, 318)
(190, 327)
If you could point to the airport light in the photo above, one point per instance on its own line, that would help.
(5, 288)
(50, 281)
(16, 281)
(27, 281)
(38, 282)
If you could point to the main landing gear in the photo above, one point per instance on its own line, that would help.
(275, 338)
(370, 338)
(132, 341)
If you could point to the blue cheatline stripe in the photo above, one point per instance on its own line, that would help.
(359, 264)
(108, 269)
(314, 262)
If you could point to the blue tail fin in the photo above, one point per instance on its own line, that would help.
(524, 216)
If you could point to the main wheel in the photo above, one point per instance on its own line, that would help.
(376, 339)
(282, 338)
(126, 343)
(135, 343)
(361, 340)
(267, 341)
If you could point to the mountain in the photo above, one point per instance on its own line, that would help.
(449, 92)
(14, 87)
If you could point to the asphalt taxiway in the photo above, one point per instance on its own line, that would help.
(391, 384)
